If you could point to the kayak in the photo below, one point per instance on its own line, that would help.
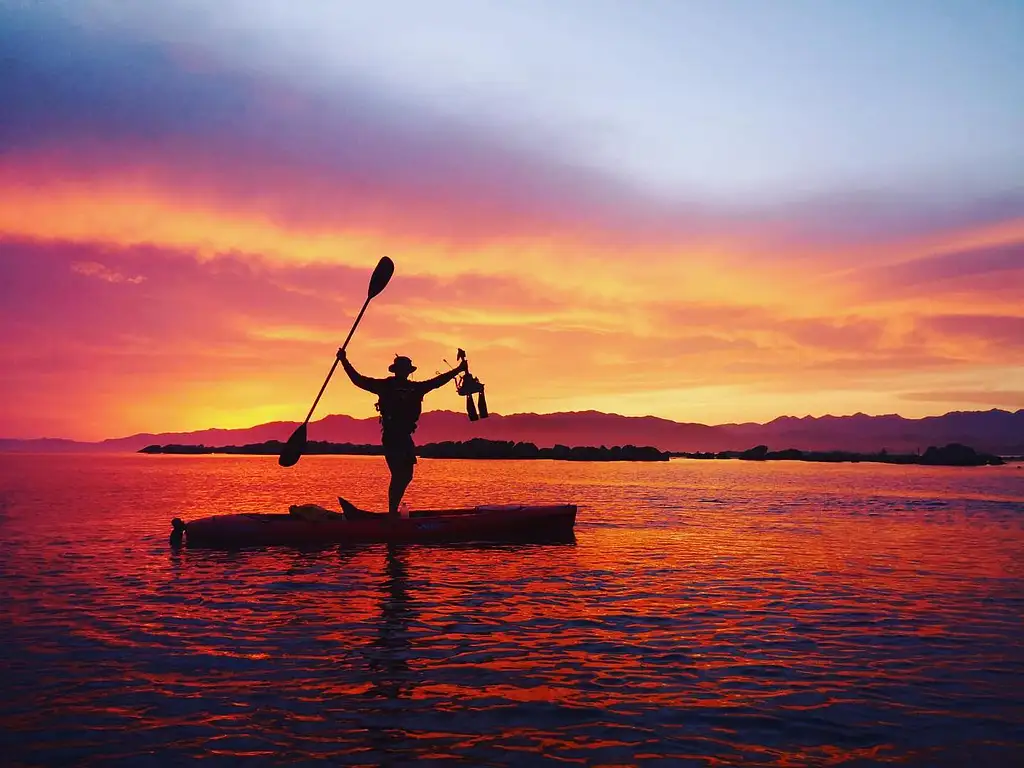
(310, 524)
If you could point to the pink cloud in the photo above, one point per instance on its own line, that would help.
(1005, 332)
(100, 272)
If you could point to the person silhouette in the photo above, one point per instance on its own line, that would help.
(400, 403)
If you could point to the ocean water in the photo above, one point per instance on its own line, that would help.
(708, 613)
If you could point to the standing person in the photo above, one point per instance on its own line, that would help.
(400, 402)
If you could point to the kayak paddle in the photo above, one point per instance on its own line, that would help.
(292, 450)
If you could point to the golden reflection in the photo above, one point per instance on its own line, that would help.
(389, 653)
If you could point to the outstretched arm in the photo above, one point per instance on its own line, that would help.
(439, 381)
(363, 382)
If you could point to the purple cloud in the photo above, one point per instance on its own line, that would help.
(1002, 331)
(1007, 257)
(362, 158)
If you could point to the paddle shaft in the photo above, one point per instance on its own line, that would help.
(336, 361)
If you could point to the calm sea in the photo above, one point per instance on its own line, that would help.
(709, 613)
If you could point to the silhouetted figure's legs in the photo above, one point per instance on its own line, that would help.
(399, 482)
(400, 453)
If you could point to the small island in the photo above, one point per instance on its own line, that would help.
(477, 448)
(951, 455)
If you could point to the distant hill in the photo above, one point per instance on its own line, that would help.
(996, 431)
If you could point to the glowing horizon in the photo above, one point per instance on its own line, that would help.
(187, 227)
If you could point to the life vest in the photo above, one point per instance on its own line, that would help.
(400, 406)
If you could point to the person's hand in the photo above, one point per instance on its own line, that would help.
(342, 357)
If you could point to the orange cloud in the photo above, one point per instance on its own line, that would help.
(237, 340)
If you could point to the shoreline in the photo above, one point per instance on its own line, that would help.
(953, 454)
(478, 448)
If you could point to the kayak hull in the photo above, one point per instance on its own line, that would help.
(510, 523)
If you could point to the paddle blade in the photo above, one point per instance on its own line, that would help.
(292, 451)
(381, 275)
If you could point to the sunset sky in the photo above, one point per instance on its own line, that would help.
(706, 211)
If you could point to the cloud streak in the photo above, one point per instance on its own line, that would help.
(1004, 333)
(1013, 399)
(100, 272)
(954, 266)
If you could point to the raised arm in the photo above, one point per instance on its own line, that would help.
(442, 379)
(363, 382)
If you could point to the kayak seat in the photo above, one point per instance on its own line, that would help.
(313, 512)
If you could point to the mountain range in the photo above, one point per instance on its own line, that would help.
(995, 431)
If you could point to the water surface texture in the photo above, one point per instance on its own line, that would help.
(709, 613)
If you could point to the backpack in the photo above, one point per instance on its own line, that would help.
(399, 407)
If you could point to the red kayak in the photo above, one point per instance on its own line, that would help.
(310, 524)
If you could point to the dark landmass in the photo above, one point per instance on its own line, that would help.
(952, 455)
(471, 449)
(995, 431)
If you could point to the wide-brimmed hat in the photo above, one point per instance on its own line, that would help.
(402, 364)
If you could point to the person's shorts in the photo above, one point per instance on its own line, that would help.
(399, 452)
